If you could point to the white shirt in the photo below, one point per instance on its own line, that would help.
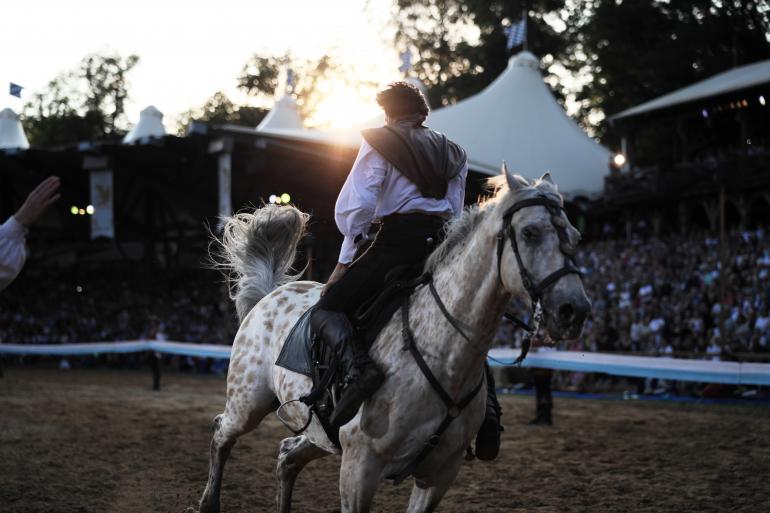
(375, 189)
(12, 251)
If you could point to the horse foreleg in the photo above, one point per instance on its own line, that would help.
(426, 498)
(293, 455)
(360, 473)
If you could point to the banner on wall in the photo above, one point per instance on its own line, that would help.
(102, 223)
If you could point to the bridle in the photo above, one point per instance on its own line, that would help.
(534, 289)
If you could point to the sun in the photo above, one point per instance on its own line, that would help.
(343, 105)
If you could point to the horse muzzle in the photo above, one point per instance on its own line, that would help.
(565, 315)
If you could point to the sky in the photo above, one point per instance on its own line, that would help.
(188, 49)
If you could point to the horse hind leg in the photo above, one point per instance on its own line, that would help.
(228, 426)
(293, 454)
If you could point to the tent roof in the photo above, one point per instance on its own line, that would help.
(11, 132)
(517, 119)
(735, 79)
(284, 116)
(150, 125)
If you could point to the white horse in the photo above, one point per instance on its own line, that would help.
(392, 426)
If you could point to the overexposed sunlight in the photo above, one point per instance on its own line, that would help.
(344, 105)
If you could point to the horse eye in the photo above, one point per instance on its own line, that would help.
(529, 233)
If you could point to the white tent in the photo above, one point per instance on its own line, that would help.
(150, 125)
(283, 116)
(735, 79)
(11, 132)
(517, 119)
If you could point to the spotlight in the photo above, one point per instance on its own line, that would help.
(762, 100)
(273, 198)
(285, 198)
(619, 160)
(90, 210)
(82, 211)
(74, 210)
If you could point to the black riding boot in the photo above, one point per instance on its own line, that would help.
(488, 437)
(362, 377)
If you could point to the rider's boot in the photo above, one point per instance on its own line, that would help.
(362, 377)
(488, 437)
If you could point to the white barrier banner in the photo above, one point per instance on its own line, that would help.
(102, 224)
(705, 371)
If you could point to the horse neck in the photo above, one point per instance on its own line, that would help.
(468, 284)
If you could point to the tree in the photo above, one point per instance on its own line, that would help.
(637, 50)
(84, 104)
(220, 109)
(461, 45)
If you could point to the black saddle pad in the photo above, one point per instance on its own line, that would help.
(296, 354)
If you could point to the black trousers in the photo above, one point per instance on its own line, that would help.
(402, 239)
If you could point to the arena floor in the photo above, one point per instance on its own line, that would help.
(98, 441)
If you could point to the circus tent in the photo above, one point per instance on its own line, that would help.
(283, 116)
(11, 132)
(517, 119)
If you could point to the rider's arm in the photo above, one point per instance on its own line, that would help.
(12, 253)
(456, 192)
(356, 204)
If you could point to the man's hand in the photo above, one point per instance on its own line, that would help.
(339, 270)
(38, 201)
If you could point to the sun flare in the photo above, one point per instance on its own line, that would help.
(344, 105)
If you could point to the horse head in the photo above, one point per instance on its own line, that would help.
(536, 246)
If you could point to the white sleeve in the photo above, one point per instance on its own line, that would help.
(12, 251)
(356, 204)
(456, 191)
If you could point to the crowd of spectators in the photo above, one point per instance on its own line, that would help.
(656, 296)
(662, 296)
(114, 302)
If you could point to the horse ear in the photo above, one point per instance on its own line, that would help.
(547, 178)
(513, 183)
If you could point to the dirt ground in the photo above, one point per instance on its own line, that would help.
(99, 441)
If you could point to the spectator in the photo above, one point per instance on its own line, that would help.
(12, 252)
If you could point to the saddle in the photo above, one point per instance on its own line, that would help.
(306, 353)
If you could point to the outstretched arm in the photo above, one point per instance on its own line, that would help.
(12, 252)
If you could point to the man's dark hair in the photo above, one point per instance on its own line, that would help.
(401, 99)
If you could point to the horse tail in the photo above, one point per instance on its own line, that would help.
(257, 250)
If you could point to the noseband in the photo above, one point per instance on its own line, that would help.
(536, 290)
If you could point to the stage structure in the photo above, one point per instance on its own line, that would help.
(693, 149)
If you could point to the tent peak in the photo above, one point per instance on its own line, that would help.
(524, 59)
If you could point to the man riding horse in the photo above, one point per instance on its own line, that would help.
(411, 179)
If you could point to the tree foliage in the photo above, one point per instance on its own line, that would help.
(637, 50)
(220, 109)
(461, 45)
(83, 104)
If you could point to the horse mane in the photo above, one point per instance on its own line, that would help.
(459, 229)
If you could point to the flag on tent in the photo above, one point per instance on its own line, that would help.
(15, 90)
(516, 33)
